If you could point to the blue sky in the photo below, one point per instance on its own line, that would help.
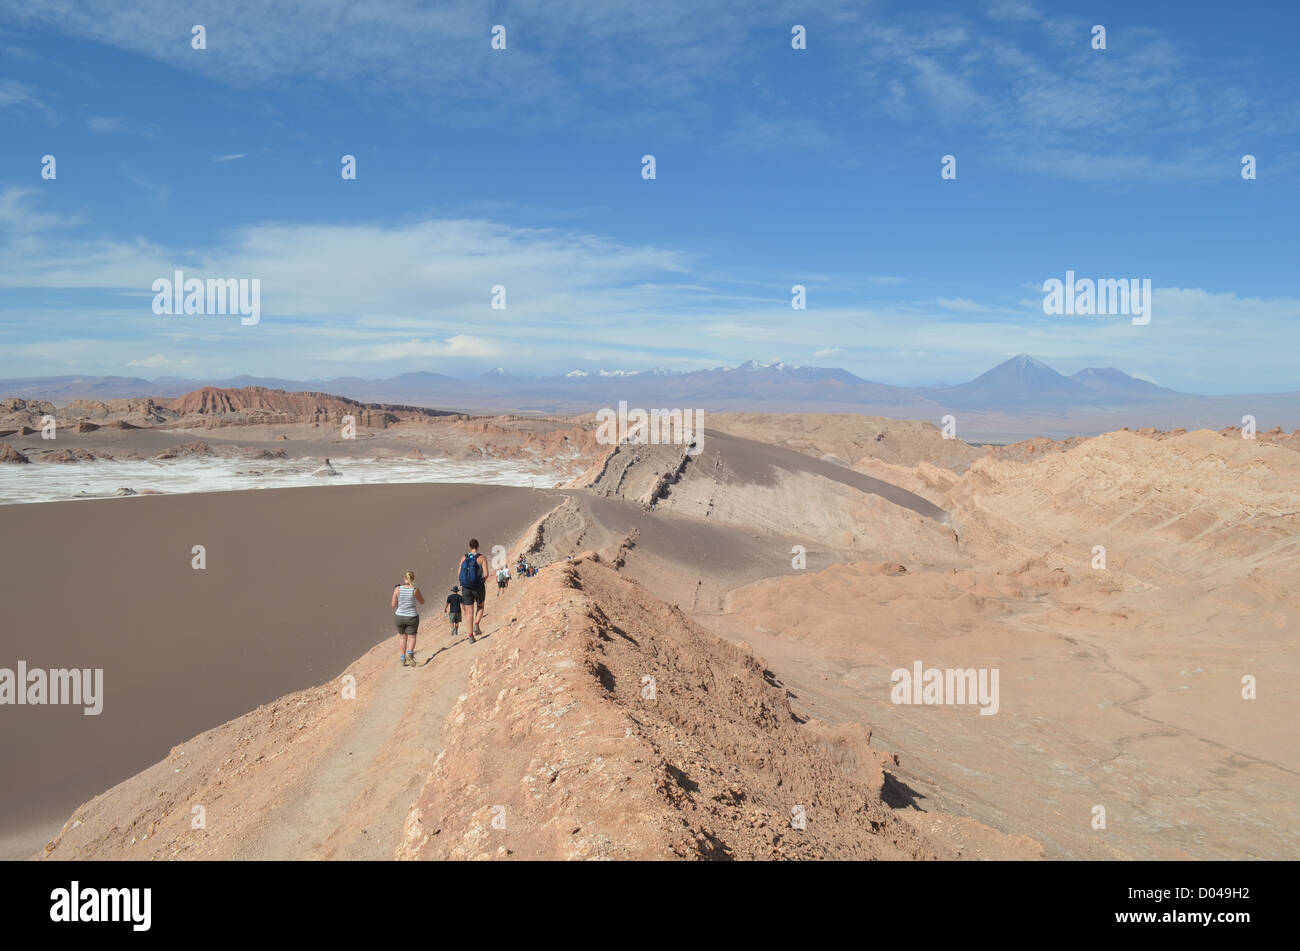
(775, 167)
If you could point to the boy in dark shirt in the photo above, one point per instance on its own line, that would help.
(452, 609)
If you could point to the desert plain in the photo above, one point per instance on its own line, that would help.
(705, 665)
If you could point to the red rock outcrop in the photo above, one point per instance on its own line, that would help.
(251, 405)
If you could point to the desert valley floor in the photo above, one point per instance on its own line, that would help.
(706, 651)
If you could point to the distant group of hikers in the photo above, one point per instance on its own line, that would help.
(467, 597)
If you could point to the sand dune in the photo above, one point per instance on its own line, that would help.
(767, 489)
(296, 586)
(850, 438)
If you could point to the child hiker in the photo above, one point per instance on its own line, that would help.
(452, 609)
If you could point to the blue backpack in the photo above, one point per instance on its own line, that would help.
(470, 573)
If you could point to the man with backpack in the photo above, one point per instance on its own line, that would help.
(472, 575)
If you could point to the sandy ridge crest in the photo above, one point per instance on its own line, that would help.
(605, 724)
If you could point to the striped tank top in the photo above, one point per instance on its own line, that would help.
(406, 601)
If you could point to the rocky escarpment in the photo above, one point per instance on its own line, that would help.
(212, 407)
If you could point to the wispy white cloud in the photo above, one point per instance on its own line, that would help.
(909, 343)
(1028, 85)
(366, 294)
(159, 361)
(458, 345)
(20, 217)
(1013, 10)
(158, 191)
(377, 297)
(962, 304)
(437, 56)
(1041, 100)
(17, 95)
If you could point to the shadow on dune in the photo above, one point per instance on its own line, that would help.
(898, 795)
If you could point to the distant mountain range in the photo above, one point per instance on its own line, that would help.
(1020, 395)
(1023, 381)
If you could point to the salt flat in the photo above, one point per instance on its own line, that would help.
(51, 482)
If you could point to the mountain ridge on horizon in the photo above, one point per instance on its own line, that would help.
(501, 374)
(1019, 388)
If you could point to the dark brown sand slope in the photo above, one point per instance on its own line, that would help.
(297, 585)
(756, 462)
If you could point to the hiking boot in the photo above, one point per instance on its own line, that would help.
(411, 655)
(471, 638)
(401, 661)
(478, 630)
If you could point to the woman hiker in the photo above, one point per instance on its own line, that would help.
(406, 615)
